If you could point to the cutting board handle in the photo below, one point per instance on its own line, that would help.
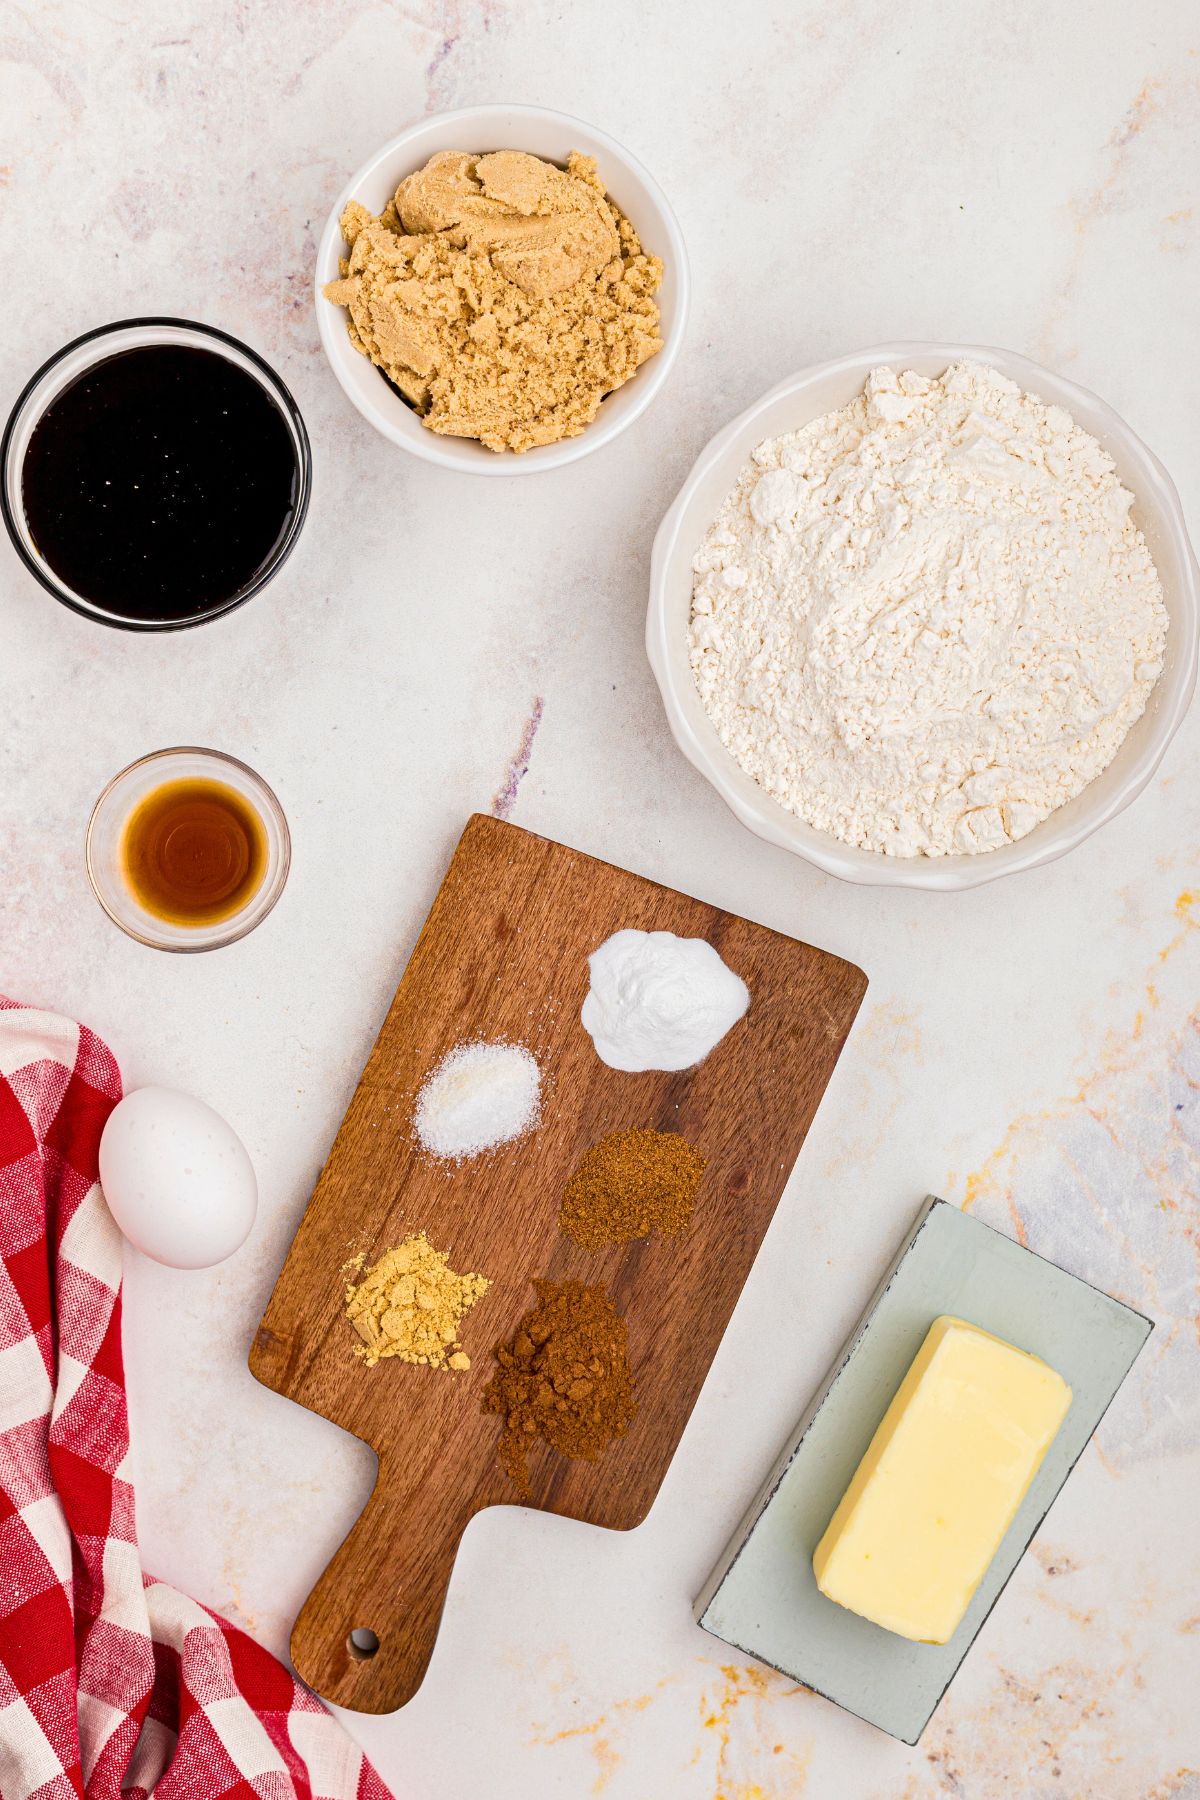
(395, 1565)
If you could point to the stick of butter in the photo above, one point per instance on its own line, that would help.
(941, 1482)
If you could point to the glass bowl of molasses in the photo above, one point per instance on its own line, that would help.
(156, 474)
(188, 849)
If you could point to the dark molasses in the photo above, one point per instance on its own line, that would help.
(161, 483)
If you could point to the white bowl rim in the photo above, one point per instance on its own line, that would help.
(462, 454)
(771, 821)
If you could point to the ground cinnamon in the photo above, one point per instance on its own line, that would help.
(565, 1378)
(630, 1184)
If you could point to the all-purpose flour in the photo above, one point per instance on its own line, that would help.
(923, 622)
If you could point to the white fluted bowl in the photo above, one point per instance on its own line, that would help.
(793, 404)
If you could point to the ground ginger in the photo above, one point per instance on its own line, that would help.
(410, 1304)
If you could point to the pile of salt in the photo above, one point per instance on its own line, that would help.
(479, 1096)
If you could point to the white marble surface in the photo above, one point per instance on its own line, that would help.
(844, 173)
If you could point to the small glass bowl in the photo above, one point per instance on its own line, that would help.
(66, 366)
(106, 829)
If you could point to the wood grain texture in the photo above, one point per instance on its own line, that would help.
(503, 955)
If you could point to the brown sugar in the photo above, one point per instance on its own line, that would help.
(630, 1184)
(503, 296)
(565, 1378)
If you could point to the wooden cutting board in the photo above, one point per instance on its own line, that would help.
(503, 954)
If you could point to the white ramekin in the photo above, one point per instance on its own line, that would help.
(551, 135)
(807, 396)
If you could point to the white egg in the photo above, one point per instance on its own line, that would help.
(177, 1178)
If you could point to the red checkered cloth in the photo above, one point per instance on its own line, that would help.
(111, 1684)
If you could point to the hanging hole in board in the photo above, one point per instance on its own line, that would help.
(362, 1643)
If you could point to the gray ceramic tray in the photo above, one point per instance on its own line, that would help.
(762, 1597)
